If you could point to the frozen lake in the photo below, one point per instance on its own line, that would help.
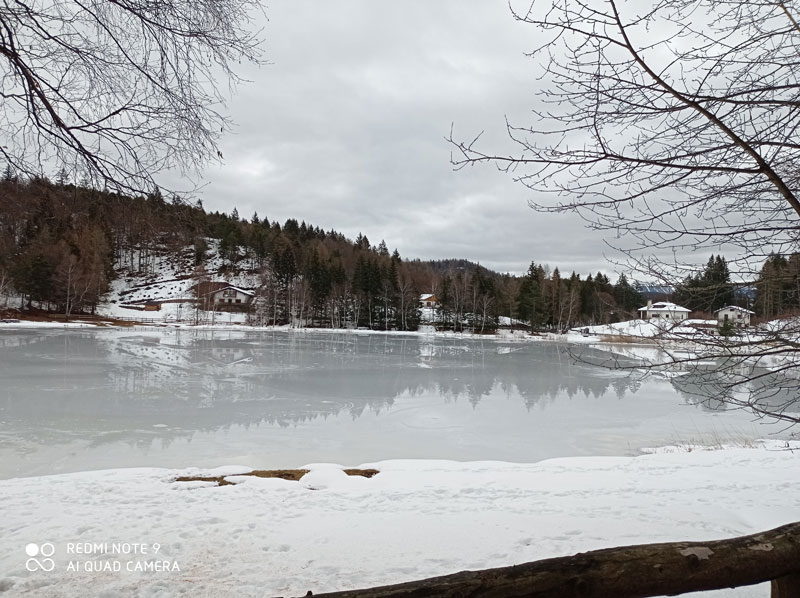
(73, 400)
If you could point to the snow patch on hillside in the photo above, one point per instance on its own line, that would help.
(170, 278)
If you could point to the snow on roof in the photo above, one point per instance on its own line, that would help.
(663, 306)
(426, 296)
(237, 289)
(735, 308)
(245, 291)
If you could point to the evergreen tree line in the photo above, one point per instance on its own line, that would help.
(775, 292)
(62, 244)
(710, 289)
(778, 286)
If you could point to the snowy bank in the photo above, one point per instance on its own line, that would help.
(17, 324)
(222, 324)
(270, 537)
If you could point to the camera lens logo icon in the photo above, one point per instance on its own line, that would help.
(45, 551)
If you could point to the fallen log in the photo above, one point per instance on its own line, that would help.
(625, 572)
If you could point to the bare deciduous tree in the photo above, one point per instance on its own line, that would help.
(5, 286)
(672, 124)
(118, 90)
(674, 121)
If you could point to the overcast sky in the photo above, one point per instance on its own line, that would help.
(346, 129)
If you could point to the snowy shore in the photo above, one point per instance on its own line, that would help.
(270, 537)
(424, 331)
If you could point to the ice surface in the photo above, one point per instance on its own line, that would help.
(72, 400)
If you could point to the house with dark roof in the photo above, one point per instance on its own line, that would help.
(223, 296)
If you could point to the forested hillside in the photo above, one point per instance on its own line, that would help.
(61, 245)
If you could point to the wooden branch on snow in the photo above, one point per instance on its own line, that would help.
(625, 572)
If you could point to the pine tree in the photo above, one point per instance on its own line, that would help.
(628, 298)
(9, 175)
(771, 286)
(709, 290)
(529, 302)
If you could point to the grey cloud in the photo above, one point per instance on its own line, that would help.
(346, 130)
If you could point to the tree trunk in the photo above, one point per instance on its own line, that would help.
(787, 586)
(626, 572)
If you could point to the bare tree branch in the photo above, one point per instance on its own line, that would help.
(675, 126)
(118, 90)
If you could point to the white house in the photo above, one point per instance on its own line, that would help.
(427, 300)
(663, 310)
(737, 316)
(230, 295)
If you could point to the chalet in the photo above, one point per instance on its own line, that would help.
(428, 300)
(737, 316)
(230, 296)
(222, 295)
(663, 310)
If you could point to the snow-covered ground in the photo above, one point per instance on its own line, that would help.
(18, 324)
(641, 329)
(174, 316)
(269, 537)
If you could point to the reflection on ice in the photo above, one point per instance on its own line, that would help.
(76, 400)
(712, 383)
